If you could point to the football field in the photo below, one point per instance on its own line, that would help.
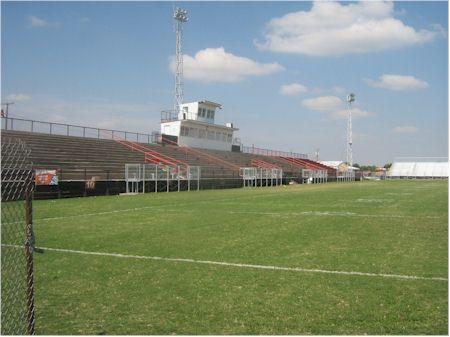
(337, 258)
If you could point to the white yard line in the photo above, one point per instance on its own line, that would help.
(345, 214)
(241, 265)
(307, 213)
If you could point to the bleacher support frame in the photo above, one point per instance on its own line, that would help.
(314, 176)
(261, 177)
(164, 178)
(346, 176)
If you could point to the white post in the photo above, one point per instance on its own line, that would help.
(168, 178)
(189, 177)
(156, 178)
(143, 178)
(126, 177)
(261, 177)
(178, 177)
(198, 178)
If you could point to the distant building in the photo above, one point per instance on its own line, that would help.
(194, 126)
(338, 165)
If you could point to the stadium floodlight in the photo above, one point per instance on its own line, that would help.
(350, 99)
(180, 15)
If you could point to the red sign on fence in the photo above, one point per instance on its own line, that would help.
(46, 177)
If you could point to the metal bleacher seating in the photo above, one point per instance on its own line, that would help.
(80, 158)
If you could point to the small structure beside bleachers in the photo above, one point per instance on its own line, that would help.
(194, 126)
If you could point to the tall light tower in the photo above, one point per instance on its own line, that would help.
(350, 100)
(180, 16)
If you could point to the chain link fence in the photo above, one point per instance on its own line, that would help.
(17, 240)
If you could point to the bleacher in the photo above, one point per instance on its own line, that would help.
(100, 156)
(78, 158)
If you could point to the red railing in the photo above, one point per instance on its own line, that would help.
(150, 155)
(271, 153)
(308, 164)
(263, 164)
(209, 157)
(299, 163)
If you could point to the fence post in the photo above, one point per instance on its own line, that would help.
(107, 182)
(156, 178)
(29, 253)
(178, 177)
(85, 177)
(67, 129)
(84, 131)
(50, 128)
(168, 181)
(59, 188)
(32, 126)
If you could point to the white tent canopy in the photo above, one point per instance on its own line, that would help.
(430, 169)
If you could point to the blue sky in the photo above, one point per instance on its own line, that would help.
(280, 69)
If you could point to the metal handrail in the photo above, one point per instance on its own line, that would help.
(272, 153)
(10, 123)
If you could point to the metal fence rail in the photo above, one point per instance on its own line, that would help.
(17, 241)
(272, 153)
(28, 125)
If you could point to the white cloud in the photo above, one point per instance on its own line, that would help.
(331, 28)
(397, 82)
(405, 129)
(333, 106)
(34, 21)
(356, 113)
(292, 89)
(18, 97)
(322, 103)
(216, 65)
(338, 89)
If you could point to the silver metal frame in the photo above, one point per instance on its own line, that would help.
(314, 176)
(163, 176)
(261, 177)
(346, 176)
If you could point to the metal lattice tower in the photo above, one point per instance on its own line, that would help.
(350, 100)
(180, 16)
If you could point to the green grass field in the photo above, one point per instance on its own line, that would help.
(382, 227)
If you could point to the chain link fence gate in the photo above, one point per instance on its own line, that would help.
(17, 240)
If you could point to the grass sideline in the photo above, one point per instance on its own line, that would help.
(389, 227)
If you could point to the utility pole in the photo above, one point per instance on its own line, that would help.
(6, 111)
